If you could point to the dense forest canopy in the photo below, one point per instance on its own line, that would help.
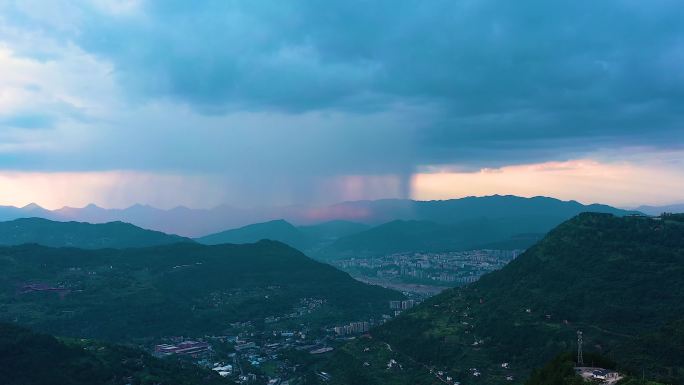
(29, 358)
(179, 289)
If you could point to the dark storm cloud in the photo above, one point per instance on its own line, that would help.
(508, 80)
(304, 89)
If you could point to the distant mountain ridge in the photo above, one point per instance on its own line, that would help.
(657, 210)
(412, 236)
(496, 222)
(306, 238)
(277, 230)
(81, 234)
(200, 222)
(456, 210)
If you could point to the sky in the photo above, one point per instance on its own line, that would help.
(274, 103)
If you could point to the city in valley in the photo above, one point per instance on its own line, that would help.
(262, 350)
(270, 352)
(426, 273)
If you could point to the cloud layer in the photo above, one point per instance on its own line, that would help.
(294, 97)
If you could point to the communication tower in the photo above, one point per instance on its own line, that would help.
(580, 358)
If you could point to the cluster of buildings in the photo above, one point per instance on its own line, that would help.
(246, 353)
(250, 351)
(223, 370)
(399, 306)
(244, 378)
(191, 348)
(306, 306)
(403, 305)
(446, 378)
(60, 289)
(352, 328)
(456, 268)
(244, 345)
(601, 375)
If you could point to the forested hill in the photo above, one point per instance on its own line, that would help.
(497, 222)
(405, 236)
(28, 358)
(307, 238)
(179, 289)
(278, 230)
(81, 234)
(619, 280)
(535, 214)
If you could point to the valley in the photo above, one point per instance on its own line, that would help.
(341, 192)
(616, 279)
(425, 273)
(266, 313)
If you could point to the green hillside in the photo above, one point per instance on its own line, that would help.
(528, 211)
(181, 289)
(332, 230)
(561, 371)
(28, 358)
(278, 230)
(619, 280)
(533, 211)
(81, 234)
(494, 222)
(406, 236)
(310, 237)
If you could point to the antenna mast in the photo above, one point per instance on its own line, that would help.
(580, 358)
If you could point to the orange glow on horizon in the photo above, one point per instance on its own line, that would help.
(111, 189)
(584, 180)
(622, 184)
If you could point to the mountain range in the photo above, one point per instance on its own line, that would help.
(619, 280)
(411, 236)
(81, 234)
(657, 210)
(178, 289)
(497, 222)
(200, 222)
(616, 277)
